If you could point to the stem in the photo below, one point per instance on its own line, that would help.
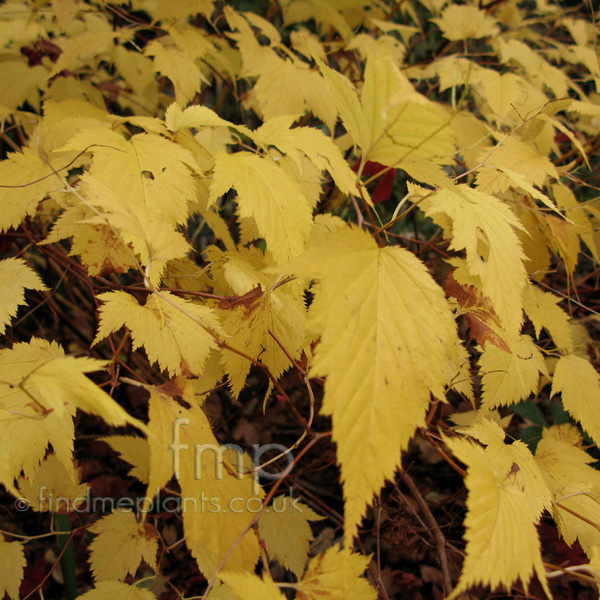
(67, 559)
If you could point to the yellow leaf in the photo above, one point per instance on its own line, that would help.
(484, 324)
(120, 545)
(247, 323)
(12, 565)
(178, 66)
(266, 193)
(196, 116)
(392, 123)
(217, 500)
(20, 422)
(26, 180)
(519, 157)
(499, 516)
(508, 97)
(248, 586)
(285, 529)
(249, 318)
(54, 488)
(153, 239)
(133, 450)
(575, 484)
(388, 341)
(15, 276)
(99, 247)
(62, 380)
(145, 171)
(313, 143)
(579, 385)
(513, 463)
(462, 22)
(115, 590)
(520, 182)
(509, 377)
(576, 212)
(174, 332)
(336, 574)
(485, 228)
(533, 240)
(54, 382)
(285, 86)
(537, 68)
(543, 311)
(563, 238)
(184, 8)
(65, 11)
(21, 83)
(86, 49)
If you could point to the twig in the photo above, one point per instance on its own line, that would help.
(440, 540)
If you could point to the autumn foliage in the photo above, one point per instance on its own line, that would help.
(334, 233)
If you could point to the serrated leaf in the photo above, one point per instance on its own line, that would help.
(270, 196)
(542, 309)
(392, 123)
(54, 488)
(195, 116)
(248, 586)
(510, 376)
(217, 498)
(22, 82)
(39, 375)
(152, 238)
(100, 247)
(285, 529)
(247, 322)
(579, 385)
(145, 171)
(513, 463)
(12, 566)
(135, 542)
(499, 516)
(135, 451)
(26, 180)
(15, 277)
(575, 484)
(483, 322)
(518, 157)
(463, 22)
(116, 590)
(388, 341)
(179, 67)
(337, 573)
(174, 332)
(20, 422)
(485, 227)
(311, 142)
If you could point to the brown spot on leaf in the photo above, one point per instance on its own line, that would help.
(484, 323)
(249, 300)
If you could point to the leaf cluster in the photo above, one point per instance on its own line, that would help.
(346, 231)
